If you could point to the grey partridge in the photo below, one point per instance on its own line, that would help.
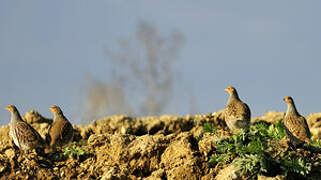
(61, 130)
(23, 135)
(297, 129)
(237, 113)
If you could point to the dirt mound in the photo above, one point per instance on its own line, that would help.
(123, 147)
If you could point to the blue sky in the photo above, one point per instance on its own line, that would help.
(267, 50)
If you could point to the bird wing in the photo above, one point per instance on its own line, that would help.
(246, 112)
(238, 110)
(298, 127)
(27, 134)
(305, 126)
(66, 128)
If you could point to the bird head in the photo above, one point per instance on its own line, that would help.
(230, 89)
(288, 99)
(11, 108)
(54, 109)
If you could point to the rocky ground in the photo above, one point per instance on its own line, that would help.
(122, 147)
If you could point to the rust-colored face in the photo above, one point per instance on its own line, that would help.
(54, 109)
(10, 108)
(288, 99)
(230, 89)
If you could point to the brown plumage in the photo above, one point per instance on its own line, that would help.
(237, 113)
(23, 135)
(297, 129)
(61, 131)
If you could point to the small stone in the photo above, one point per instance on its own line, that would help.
(10, 153)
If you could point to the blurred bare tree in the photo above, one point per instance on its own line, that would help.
(141, 71)
(103, 99)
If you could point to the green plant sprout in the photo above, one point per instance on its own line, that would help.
(74, 152)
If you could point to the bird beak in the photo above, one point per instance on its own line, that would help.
(8, 109)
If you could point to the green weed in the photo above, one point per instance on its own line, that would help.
(74, 151)
(256, 151)
(209, 128)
